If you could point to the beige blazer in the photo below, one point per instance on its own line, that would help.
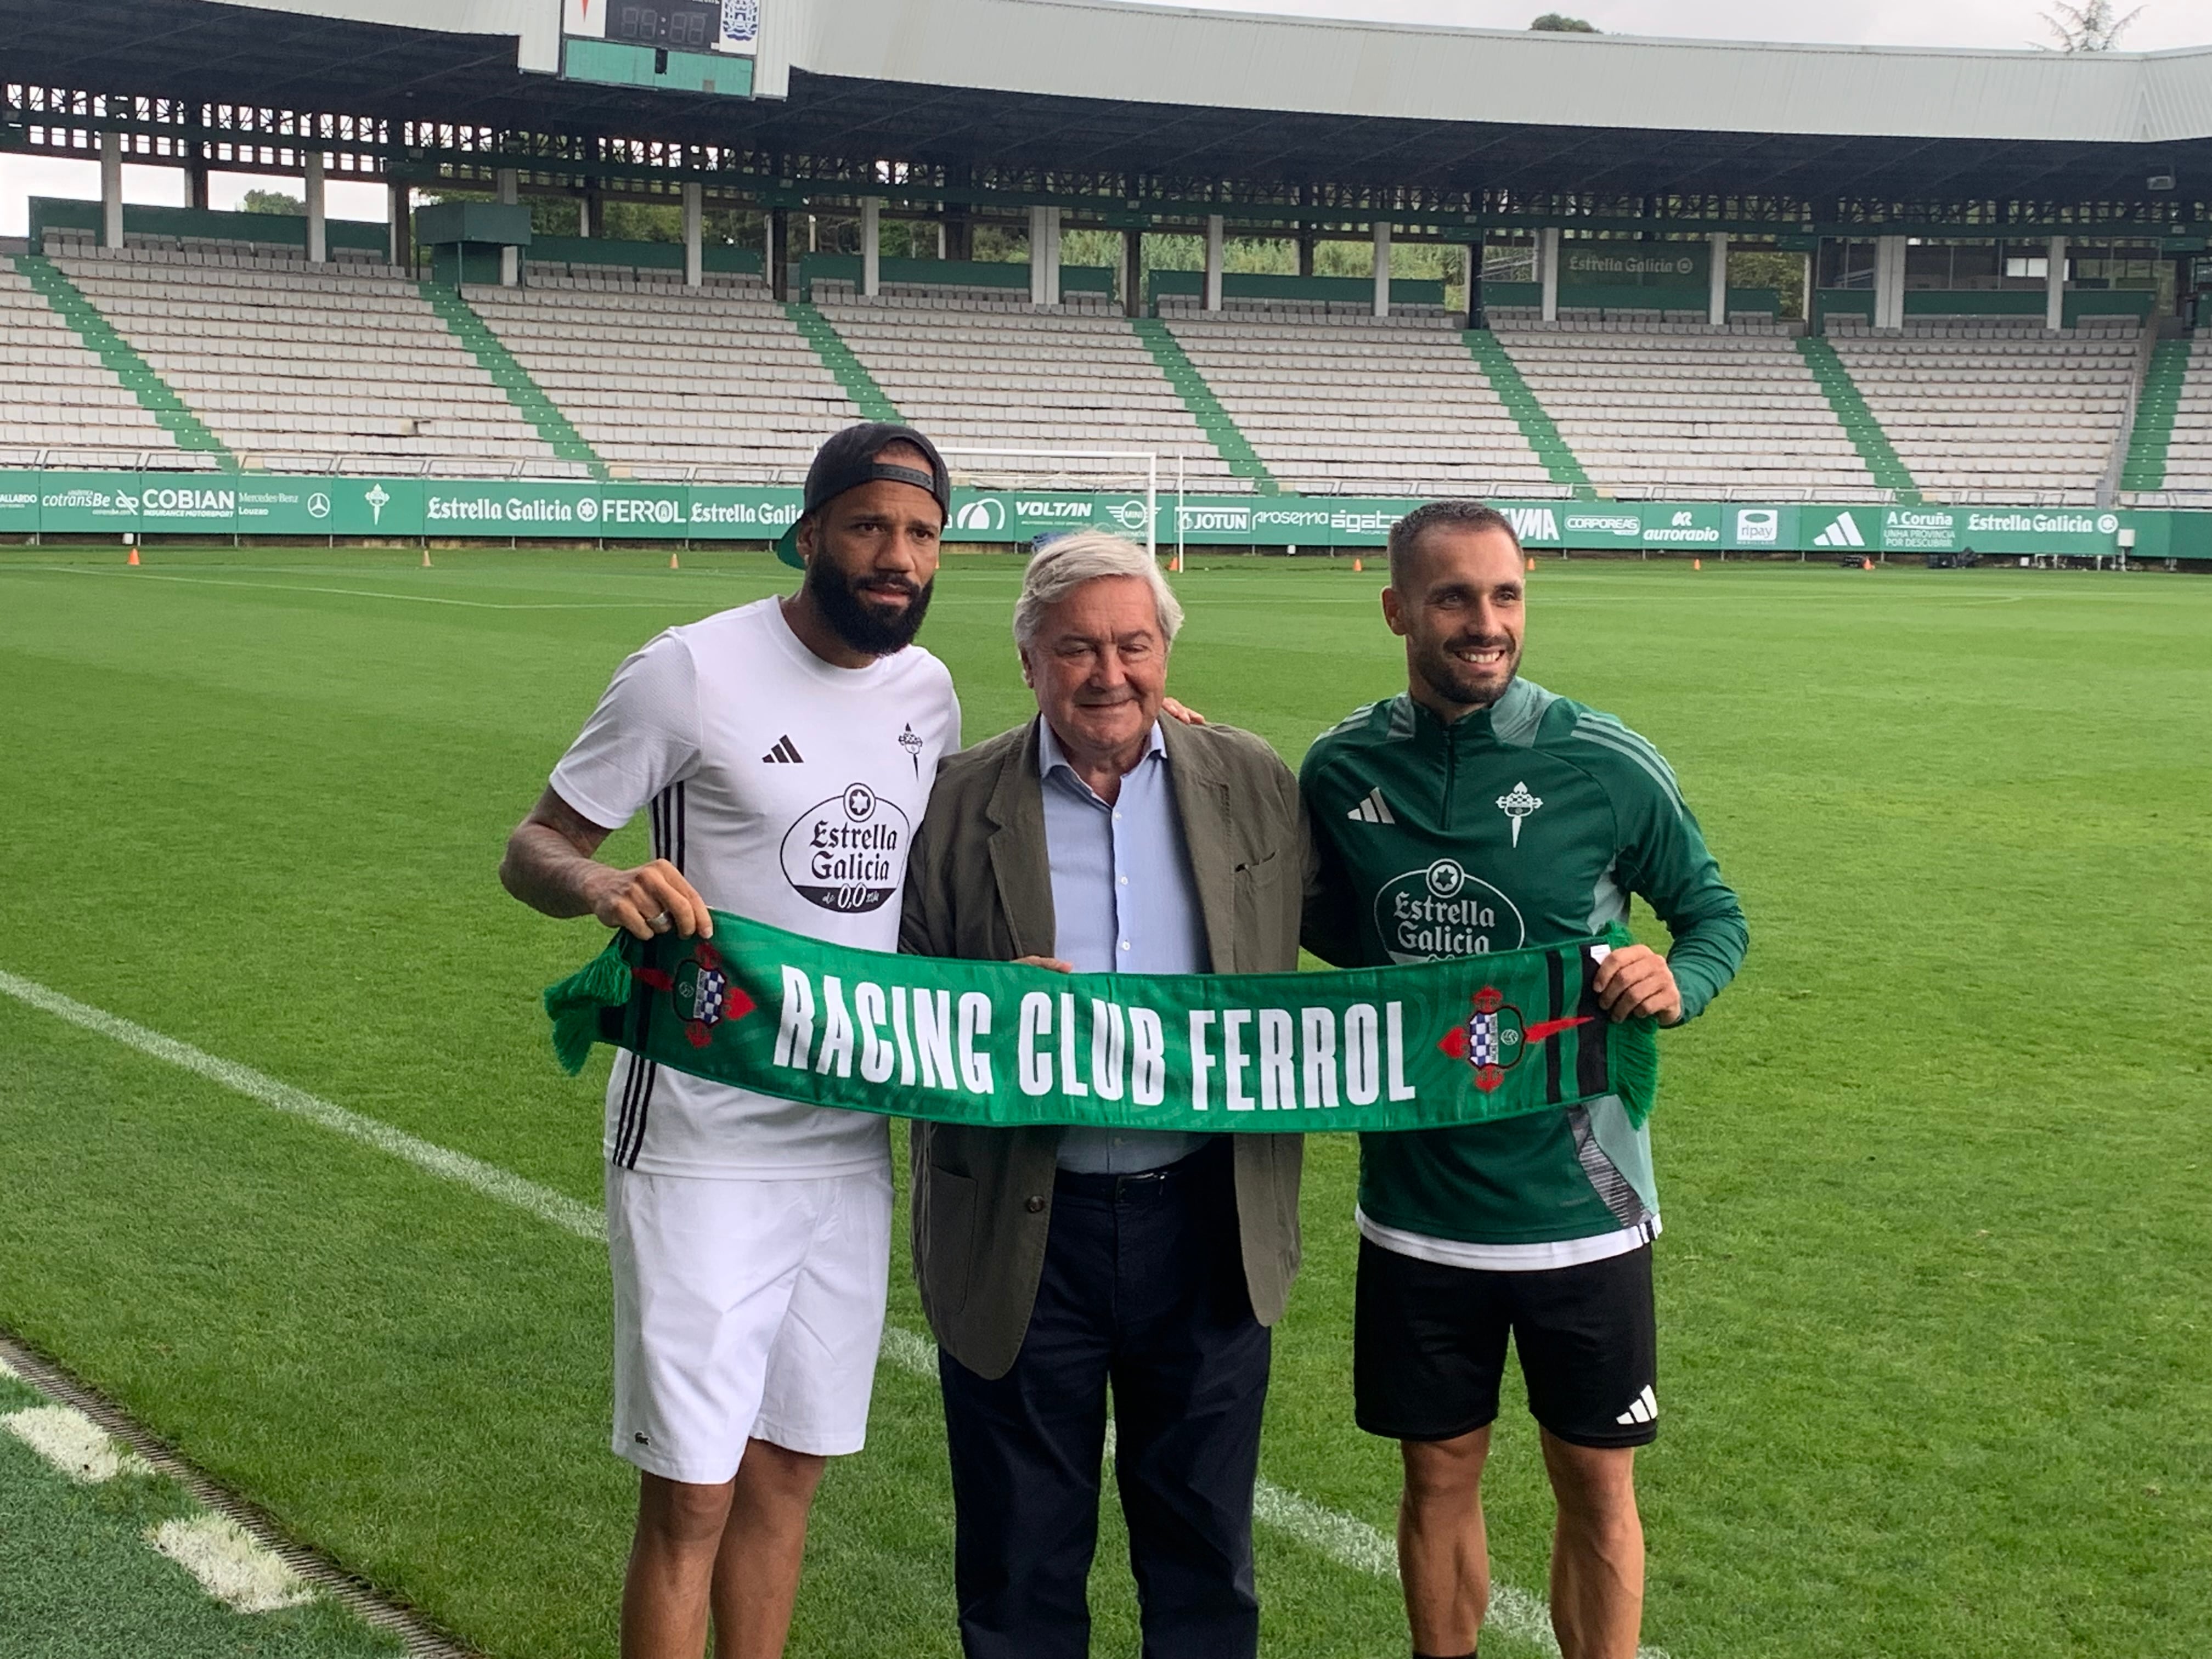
(979, 885)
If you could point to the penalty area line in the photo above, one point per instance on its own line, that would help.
(1346, 1539)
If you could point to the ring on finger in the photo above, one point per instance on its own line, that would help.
(661, 923)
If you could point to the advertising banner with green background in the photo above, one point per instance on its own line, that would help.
(258, 504)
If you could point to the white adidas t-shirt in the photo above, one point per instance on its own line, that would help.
(786, 790)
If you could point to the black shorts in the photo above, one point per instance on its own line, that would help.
(1429, 1347)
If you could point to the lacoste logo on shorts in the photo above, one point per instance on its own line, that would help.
(1645, 1408)
(645, 1439)
(786, 752)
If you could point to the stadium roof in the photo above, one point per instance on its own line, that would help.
(1095, 87)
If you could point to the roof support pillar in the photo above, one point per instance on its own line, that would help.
(694, 233)
(1044, 256)
(1548, 270)
(1381, 267)
(1214, 261)
(591, 214)
(1889, 281)
(2054, 286)
(510, 258)
(196, 177)
(871, 244)
(318, 222)
(1133, 273)
(775, 250)
(111, 190)
(398, 215)
(1717, 292)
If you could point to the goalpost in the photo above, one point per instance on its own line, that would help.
(1133, 462)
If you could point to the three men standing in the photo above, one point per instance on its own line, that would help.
(787, 750)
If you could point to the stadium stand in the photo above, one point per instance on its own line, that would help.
(714, 383)
(987, 371)
(65, 407)
(1984, 410)
(304, 367)
(1354, 404)
(2189, 451)
(1659, 409)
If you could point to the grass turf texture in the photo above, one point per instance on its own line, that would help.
(1933, 1290)
(78, 1579)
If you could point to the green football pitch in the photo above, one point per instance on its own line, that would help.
(1937, 1357)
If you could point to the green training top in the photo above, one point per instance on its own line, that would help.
(1524, 823)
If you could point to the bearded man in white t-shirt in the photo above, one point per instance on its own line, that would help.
(786, 751)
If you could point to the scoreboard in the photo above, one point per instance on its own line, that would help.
(684, 45)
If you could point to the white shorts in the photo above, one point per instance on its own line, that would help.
(743, 1310)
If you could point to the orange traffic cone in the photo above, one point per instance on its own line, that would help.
(1696, 564)
(1532, 561)
(1176, 564)
(133, 559)
(1357, 566)
(426, 558)
(673, 565)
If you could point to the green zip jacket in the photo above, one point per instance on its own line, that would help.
(1523, 823)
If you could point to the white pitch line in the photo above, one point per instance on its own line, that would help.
(1343, 1538)
(230, 1563)
(585, 1220)
(72, 1442)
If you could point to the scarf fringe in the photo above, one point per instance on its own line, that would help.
(575, 1003)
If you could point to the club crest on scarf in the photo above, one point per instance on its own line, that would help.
(701, 992)
(1494, 1037)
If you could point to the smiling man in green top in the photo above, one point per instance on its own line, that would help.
(1480, 813)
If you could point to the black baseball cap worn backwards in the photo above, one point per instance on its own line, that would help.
(848, 460)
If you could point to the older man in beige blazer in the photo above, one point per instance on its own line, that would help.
(1055, 1263)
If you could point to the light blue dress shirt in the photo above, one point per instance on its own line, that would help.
(1123, 902)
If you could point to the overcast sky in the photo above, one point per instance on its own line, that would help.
(1986, 23)
(2002, 23)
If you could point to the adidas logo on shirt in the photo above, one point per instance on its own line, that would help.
(1372, 810)
(1645, 1408)
(786, 752)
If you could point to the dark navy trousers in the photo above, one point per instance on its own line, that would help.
(1143, 1290)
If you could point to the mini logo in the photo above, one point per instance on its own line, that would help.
(910, 740)
(702, 992)
(588, 509)
(1843, 532)
(1494, 1038)
(1129, 514)
(1758, 524)
(848, 853)
(377, 498)
(988, 513)
(319, 506)
(785, 753)
(1645, 1408)
(1372, 809)
(1517, 805)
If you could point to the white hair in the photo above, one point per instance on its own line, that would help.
(1058, 568)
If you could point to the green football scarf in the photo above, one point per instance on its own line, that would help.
(991, 1043)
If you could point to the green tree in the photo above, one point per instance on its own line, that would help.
(273, 201)
(1557, 22)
